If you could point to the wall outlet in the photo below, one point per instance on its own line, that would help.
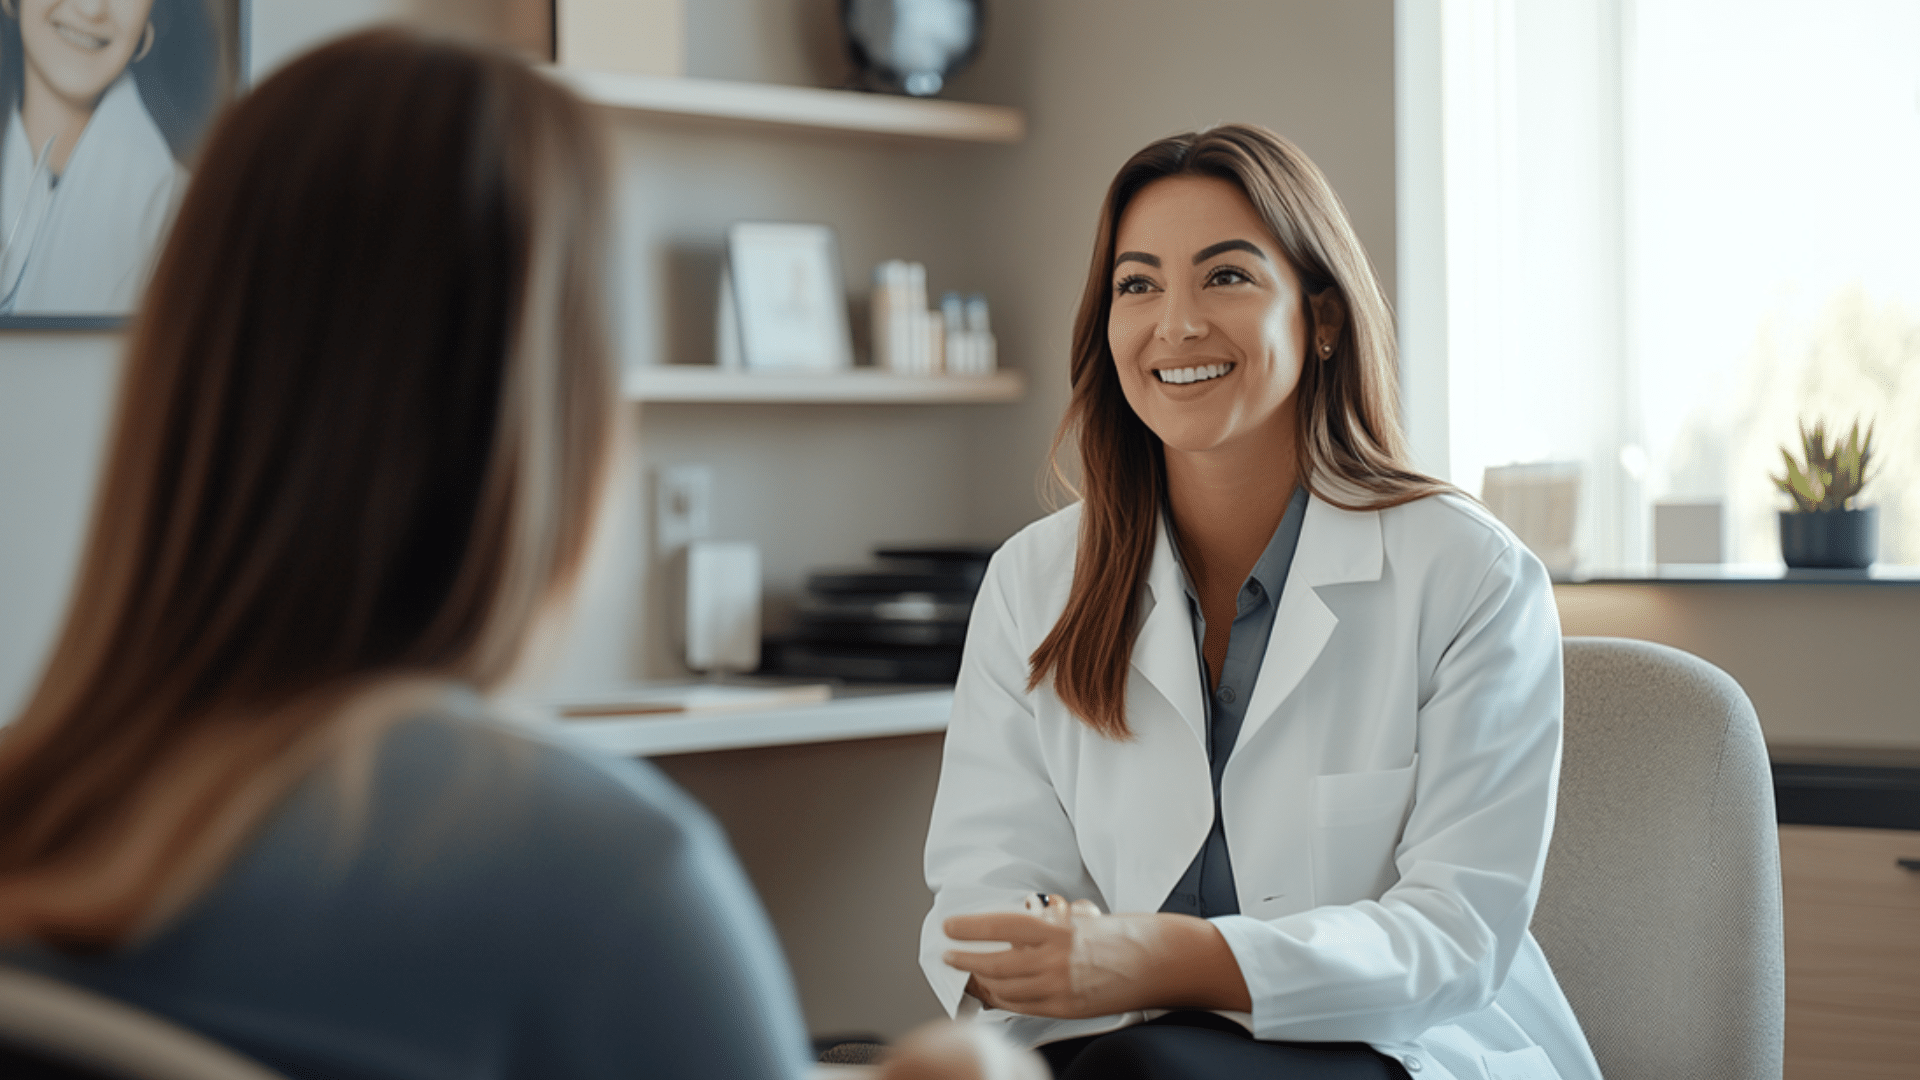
(682, 505)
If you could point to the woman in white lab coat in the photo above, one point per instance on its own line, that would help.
(1287, 708)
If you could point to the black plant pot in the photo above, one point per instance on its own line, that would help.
(1830, 539)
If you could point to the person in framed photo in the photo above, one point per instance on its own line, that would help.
(104, 101)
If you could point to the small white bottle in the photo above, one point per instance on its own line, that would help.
(953, 321)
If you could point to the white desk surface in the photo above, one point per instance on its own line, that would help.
(872, 716)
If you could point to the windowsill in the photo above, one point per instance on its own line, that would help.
(1744, 574)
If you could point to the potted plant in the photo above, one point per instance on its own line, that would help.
(1824, 529)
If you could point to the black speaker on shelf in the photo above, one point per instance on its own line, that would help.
(903, 620)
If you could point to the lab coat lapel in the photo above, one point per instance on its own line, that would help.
(1335, 546)
(1163, 651)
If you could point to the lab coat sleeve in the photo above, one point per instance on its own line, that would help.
(999, 831)
(1437, 944)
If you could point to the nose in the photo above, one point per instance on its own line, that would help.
(90, 10)
(1180, 318)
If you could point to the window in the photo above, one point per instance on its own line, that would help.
(1666, 230)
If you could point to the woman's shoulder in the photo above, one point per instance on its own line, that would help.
(498, 803)
(1448, 532)
(1451, 517)
(485, 763)
(461, 885)
(1044, 546)
(1032, 573)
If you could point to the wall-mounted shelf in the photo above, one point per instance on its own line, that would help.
(691, 383)
(799, 106)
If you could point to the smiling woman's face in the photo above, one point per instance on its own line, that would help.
(1207, 326)
(78, 47)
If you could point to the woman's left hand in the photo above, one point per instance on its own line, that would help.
(1069, 961)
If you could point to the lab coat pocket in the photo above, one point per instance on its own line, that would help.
(1357, 822)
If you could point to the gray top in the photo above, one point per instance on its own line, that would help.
(511, 908)
(1206, 889)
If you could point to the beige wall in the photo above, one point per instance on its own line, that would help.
(1827, 665)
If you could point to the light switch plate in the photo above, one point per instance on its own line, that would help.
(682, 505)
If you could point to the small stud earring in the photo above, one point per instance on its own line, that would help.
(1326, 349)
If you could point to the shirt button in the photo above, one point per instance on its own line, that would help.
(1253, 587)
(1412, 1063)
(1226, 694)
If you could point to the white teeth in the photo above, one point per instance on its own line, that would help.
(1193, 374)
(81, 39)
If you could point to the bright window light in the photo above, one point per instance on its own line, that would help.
(1643, 238)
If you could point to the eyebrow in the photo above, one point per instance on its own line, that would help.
(1205, 253)
(1227, 245)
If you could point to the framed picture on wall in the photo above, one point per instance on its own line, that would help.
(787, 297)
(104, 103)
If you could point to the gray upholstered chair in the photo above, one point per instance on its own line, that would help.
(50, 1029)
(1660, 905)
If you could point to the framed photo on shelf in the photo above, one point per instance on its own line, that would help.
(102, 107)
(782, 289)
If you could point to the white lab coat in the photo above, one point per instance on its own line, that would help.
(84, 245)
(1388, 803)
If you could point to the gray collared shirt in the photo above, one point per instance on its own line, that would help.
(1206, 889)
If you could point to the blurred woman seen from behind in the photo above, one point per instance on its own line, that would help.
(365, 419)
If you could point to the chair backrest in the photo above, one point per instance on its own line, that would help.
(55, 1029)
(1660, 905)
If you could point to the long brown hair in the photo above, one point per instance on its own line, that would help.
(1347, 429)
(363, 424)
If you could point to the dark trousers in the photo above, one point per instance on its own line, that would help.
(1204, 1046)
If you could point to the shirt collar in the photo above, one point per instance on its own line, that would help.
(1271, 570)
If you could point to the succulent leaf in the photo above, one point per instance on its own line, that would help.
(1832, 474)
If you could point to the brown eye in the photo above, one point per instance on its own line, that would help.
(1229, 275)
(1132, 284)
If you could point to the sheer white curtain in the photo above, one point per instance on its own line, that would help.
(1521, 283)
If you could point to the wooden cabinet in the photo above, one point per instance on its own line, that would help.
(1853, 953)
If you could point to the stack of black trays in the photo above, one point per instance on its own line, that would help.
(902, 621)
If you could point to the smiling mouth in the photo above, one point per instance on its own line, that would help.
(1184, 375)
(80, 39)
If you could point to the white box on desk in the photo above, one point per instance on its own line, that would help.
(723, 605)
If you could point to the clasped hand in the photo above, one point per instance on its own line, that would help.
(1067, 960)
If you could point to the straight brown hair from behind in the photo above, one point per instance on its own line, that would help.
(1349, 444)
(364, 420)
